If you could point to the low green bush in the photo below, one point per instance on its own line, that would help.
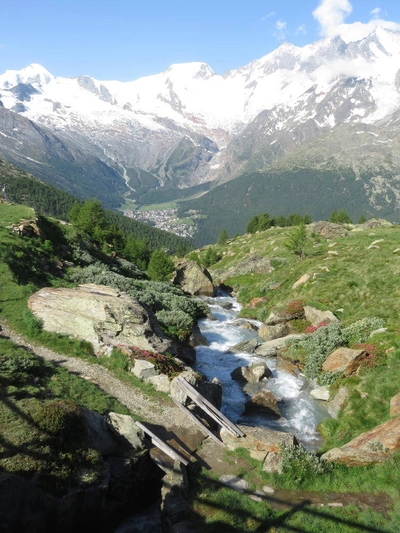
(359, 331)
(60, 418)
(298, 464)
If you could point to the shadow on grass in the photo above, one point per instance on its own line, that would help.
(239, 511)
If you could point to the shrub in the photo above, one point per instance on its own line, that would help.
(165, 364)
(295, 308)
(313, 329)
(315, 347)
(160, 266)
(179, 311)
(175, 318)
(297, 241)
(23, 363)
(60, 418)
(298, 464)
(359, 331)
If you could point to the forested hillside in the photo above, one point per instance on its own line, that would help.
(22, 187)
(282, 192)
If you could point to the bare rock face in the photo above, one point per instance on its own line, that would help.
(104, 316)
(193, 279)
(344, 360)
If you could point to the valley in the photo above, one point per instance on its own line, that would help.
(192, 243)
(320, 114)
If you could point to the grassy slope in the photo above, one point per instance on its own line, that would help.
(223, 507)
(357, 282)
(27, 384)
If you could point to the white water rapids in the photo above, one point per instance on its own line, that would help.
(300, 413)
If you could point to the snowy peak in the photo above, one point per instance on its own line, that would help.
(34, 74)
(184, 71)
(257, 112)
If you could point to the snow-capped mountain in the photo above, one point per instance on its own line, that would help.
(189, 125)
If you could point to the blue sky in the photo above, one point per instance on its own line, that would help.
(127, 39)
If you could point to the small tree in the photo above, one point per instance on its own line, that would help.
(210, 257)
(160, 266)
(362, 219)
(297, 241)
(259, 223)
(340, 217)
(137, 251)
(222, 239)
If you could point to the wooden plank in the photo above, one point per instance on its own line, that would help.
(209, 408)
(199, 423)
(163, 445)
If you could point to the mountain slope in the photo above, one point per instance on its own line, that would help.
(354, 166)
(187, 126)
(57, 160)
(24, 188)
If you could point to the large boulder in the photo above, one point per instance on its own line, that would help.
(248, 346)
(270, 348)
(263, 403)
(251, 263)
(286, 365)
(329, 230)
(376, 223)
(102, 315)
(263, 444)
(269, 333)
(371, 447)
(30, 228)
(253, 373)
(193, 279)
(316, 316)
(344, 360)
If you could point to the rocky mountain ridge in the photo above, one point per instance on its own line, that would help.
(189, 125)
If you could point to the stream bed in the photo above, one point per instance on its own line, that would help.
(301, 414)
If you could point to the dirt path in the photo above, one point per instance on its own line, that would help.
(162, 416)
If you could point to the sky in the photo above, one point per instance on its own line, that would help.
(127, 39)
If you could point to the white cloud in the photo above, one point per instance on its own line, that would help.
(281, 27)
(301, 30)
(331, 14)
(268, 15)
(376, 12)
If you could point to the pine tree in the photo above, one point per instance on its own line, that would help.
(160, 266)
